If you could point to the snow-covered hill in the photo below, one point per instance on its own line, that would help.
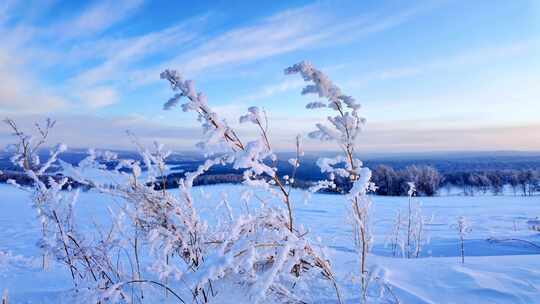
(493, 272)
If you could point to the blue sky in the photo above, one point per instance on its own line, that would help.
(431, 75)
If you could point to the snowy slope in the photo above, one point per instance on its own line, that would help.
(506, 272)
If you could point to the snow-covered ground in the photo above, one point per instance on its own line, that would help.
(493, 272)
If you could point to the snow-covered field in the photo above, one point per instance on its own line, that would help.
(493, 272)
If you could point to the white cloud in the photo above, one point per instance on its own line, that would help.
(119, 54)
(21, 89)
(72, 43)
(271, 90)
(292, 30)
(110, 62)
(19, 92)
(494, 137)
(88, 131)
(98, 97)
(466, 58)
(96, 18)
(83, 131)
(66, 44)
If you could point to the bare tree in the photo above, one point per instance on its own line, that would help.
(514, 181)
(386, 180)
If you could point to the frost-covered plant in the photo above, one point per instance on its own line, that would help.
(261, 249)
(265, 245)
(45, 191)
(90, 259)
(463, 228)
(169, 226)
(415, 225)
(395, 237)
(25, 151)
(343, 129)
(408, 235)
(151, 219)
(54, 207)
(386, 292)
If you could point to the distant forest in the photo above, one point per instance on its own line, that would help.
(429, 181)
(473, 173)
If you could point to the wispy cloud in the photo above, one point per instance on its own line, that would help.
(101, 64)
(108, 64)
(490, 138)
(108, 132)
(26, 48)
(98, 97)
(271, 90)
(22, 93)
(92, 59)
(465, 59)
(297, 29)
(118, 55)
(96, 18)
(380, 138)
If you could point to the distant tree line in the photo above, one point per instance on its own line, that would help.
(390, 182)
(524, 182)
(395, 182)
(429, 181)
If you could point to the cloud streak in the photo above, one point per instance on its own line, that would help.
(488, 138)
(107, 65)
(296, 29)
(110, 133)
(468, 58)
(98, 97)
(22, 93)
(84, 131)
(92, 59)
(96, 18)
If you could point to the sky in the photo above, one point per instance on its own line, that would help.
(430, 75)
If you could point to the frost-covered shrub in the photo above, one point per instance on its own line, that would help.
(395, 237)
(408, 236)
(263, 249)
(45, 193)
(157, 242)
(89, 260)
(416, 237)
(343, 129)
(463, 228)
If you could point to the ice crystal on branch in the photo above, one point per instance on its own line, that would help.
(264, 244)
(343, 128)
(217, 132)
